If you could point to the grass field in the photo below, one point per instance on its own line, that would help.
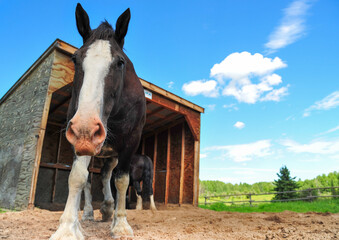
(327, 205)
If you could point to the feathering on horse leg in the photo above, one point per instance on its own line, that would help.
(120, 226)
(107, 205)
(70, 227)
(88, 209)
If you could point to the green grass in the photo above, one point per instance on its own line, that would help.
(2, 211)
(327, 205)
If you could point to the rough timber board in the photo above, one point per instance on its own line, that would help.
(160, 172)
(175, 164)
(62, 72)
(189, 167)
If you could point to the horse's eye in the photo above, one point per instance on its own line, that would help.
(121, 63)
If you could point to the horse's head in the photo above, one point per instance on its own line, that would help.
(100, 68)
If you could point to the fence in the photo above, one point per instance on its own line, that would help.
(307, 197)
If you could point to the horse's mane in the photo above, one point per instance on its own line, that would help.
(105, 31)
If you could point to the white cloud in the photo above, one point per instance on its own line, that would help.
(239, 125)
(244, 152)
(211, 107)
(276, 94)
(203, 155)
(292, 26)
(241, 68)
(243, 65)
(170, 85)
(315, 147)
(333, 129)
(208, 88)
(231, 107)
(329, 131)
(329, 102)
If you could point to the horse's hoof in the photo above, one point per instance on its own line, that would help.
(87, 216)
(107, 210)
(121, 228)
(68, 232)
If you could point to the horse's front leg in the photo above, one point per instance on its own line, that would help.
(120, 226)
(70, 227)
(107, 205)
(88, 209)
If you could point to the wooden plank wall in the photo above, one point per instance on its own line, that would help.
(188, 166)
(172, 153)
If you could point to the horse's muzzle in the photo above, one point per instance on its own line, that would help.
(86, 136)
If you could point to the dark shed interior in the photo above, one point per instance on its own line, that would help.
(167, 139)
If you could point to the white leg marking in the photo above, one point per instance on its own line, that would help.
(120, 226)
(152, 206)
(107, 205)
(139, 202)
(88, 209)
(69, 227)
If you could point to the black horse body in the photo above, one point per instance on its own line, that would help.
(141, 170)
(107, 108)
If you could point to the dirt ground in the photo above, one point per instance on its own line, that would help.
(184, 223)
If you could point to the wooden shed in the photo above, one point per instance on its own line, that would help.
(35, 157)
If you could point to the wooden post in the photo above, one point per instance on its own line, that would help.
(182, 167)
(56, 170)
(168, 164)
(196, 173)
(38, 150)
(155, 159)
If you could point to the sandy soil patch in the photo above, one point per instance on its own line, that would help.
(184, 223)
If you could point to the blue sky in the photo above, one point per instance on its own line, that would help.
(265, 71)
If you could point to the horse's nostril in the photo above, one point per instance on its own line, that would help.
(99, 133)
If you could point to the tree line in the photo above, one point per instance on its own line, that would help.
(219, 188)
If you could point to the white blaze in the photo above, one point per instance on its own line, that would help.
(95, 66)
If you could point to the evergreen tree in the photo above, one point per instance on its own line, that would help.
(285, 183)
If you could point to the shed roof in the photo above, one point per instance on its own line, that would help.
(69, 49)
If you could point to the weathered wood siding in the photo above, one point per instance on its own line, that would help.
(20, 120)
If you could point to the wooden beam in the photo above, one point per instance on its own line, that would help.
(56, 170)
(155, 159)
(160, 129)
(168, 166)
(59, 105)
(159, 122)
(170, 95)
(192, 117)
(66, 167)
(196, 173)
(56, 124)
(38, 150)
(182, 167)
(154, 112)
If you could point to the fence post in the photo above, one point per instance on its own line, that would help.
(309, 194)
(250, 199)
(205, 200)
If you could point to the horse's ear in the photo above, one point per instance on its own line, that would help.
(122, 26)
(82, 22)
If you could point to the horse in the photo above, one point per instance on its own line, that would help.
(107, 107)
(141, 171)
